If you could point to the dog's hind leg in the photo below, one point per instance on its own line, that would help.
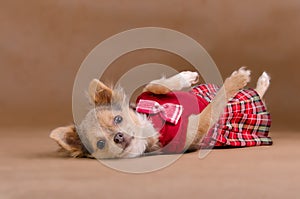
(211, 114)
(177, 82)
(263, 84)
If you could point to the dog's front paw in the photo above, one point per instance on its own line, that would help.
(188, 78)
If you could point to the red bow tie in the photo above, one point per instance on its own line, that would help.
(168, 111)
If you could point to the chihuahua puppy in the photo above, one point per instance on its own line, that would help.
(161, 121)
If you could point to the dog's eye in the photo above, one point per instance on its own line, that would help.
(101, 144)
(118, 119)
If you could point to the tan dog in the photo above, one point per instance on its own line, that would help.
(114, 130)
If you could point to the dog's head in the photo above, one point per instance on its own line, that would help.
(109, 130)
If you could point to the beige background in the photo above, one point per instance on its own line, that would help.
(42, 44)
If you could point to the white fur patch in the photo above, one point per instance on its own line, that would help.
(188, 78)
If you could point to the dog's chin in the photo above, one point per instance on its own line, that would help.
(136, 148)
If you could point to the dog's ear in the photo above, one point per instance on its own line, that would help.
(68, 139)
(99, 93)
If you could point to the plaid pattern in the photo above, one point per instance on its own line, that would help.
(206, 91)
(245, 121)
(169, 112)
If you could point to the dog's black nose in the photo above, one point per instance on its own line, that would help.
(119, 138)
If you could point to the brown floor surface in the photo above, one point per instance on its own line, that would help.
(30, 168)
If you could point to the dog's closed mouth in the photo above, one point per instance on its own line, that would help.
(126, 141)
(126, 145)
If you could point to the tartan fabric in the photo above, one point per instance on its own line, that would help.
(168, 111)
(206, 91)
(244, 122)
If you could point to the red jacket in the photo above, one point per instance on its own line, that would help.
(176, 131)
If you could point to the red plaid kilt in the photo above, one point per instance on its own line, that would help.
(245, 121)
